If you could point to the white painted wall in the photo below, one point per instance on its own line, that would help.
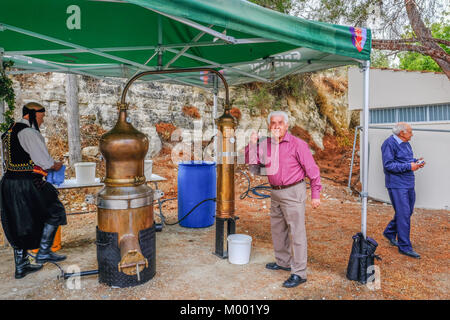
(432, 181)
(390, 88)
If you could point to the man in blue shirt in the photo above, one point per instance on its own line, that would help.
(399, 166)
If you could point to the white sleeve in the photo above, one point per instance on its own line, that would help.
(33, 143)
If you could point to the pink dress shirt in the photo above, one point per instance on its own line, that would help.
(286, 162)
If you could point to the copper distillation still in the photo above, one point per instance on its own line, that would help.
(126, 241)
(125, 230)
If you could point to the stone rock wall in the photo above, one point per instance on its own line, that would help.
(153, 103)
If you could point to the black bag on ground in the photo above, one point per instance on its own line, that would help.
(361, 258)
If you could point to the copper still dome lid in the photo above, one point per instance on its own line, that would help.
(124, 149)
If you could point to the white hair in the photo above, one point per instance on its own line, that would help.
(278, 113)
(399, 127)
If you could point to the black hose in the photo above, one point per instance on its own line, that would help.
(66, 276)
(263, 186)
(59, 267)
(187, 214)
(245, 194)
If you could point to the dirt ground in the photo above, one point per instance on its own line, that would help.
(186, 267)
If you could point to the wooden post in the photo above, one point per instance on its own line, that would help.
(73, 119)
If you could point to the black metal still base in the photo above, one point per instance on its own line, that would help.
(220, 230)
(108, 258)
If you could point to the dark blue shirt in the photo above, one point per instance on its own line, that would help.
(397, 158)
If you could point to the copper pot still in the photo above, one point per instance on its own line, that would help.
(127, 172)
(125, 203)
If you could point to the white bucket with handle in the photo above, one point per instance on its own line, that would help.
(85, 172)
(239, 248)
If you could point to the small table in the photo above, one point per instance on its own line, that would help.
(73, 184)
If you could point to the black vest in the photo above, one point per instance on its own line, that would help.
(16, 161)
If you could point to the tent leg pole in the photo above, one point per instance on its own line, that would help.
(214, 114)
(365, 173)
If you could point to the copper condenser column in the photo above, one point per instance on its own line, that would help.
(226, 158)
(126, 230)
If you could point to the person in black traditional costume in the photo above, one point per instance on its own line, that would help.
(30, 209)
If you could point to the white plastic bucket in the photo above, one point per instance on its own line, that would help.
(239, 247)
(85, 172)
(148, 165)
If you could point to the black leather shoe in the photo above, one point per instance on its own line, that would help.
(45, 253)
(411, 253)
(293, 281)
(23, 265)
(393, 242)
(275, 266)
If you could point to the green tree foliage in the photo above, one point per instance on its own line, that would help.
(283, 6)
(7, 94)
(420, 62)
(387, 19)
(379, 59)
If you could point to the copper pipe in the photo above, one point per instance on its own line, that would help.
(146, 73)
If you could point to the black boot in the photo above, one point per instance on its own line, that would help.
(23, 265)
(45, 253)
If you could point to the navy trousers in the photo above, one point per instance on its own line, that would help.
(403, 202)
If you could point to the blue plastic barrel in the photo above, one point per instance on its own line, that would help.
(196, 182)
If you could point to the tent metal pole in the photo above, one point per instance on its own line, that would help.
(139, 48)
(186, 48)
(215, 64)
(160, 39)
(75, 46)
(197, 26)
(365, 173)
(59, 68)
(299, 67)
(97, 67)
(31, 71)
(216, 91)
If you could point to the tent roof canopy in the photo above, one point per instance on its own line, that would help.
(112, 38)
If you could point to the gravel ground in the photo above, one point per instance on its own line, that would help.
(186, 267)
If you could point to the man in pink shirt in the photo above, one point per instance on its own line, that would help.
(288, 161)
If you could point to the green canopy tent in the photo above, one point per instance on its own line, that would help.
(118, 39)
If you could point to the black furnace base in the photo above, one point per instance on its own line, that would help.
(108, 258)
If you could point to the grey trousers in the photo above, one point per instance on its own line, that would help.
(287, 220)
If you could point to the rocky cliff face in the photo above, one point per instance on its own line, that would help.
(319, 111)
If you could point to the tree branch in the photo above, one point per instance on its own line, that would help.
(423, 33)
(400, 45)
(413, 40)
